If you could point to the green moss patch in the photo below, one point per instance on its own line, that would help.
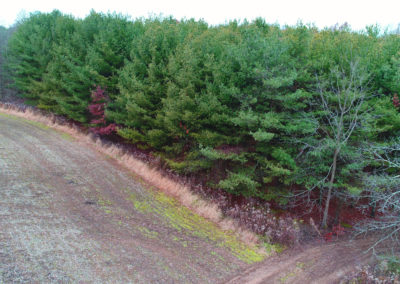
(185, 221)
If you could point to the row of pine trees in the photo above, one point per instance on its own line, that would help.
(255, 108)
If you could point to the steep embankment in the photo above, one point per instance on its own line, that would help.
(69, 213)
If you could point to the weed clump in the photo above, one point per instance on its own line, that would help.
(279, 229)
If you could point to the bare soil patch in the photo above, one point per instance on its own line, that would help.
(323, 263)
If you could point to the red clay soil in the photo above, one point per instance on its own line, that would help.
(347, 215)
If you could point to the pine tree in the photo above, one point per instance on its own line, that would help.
(143, 82)
(29, 55)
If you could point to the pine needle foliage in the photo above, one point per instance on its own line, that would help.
(239, 103)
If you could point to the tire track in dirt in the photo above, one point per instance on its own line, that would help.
(70, 214)
(323, 263)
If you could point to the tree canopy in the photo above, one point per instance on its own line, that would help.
(258, 109)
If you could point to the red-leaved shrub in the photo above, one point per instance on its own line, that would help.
(396, 101)
(97, 110)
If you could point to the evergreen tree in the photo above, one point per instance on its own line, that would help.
(143, 81)
(29, 52)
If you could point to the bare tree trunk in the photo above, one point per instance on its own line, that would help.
(328, 197)
(372, 209)
(338, 212)
(334, 164)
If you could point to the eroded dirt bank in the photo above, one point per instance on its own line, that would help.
(70, 214)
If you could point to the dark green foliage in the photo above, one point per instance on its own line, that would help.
(238, 103)
(29, 52)
(6, 89)
(143, 81)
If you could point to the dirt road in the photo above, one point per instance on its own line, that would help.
(324, 263)
(70, 214)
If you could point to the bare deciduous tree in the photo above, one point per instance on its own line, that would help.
(328, 157)
(341, 100)
(383, 190)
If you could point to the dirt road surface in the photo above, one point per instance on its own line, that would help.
(70, 214)
(324, 263)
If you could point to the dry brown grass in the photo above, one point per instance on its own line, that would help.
(151, 176)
